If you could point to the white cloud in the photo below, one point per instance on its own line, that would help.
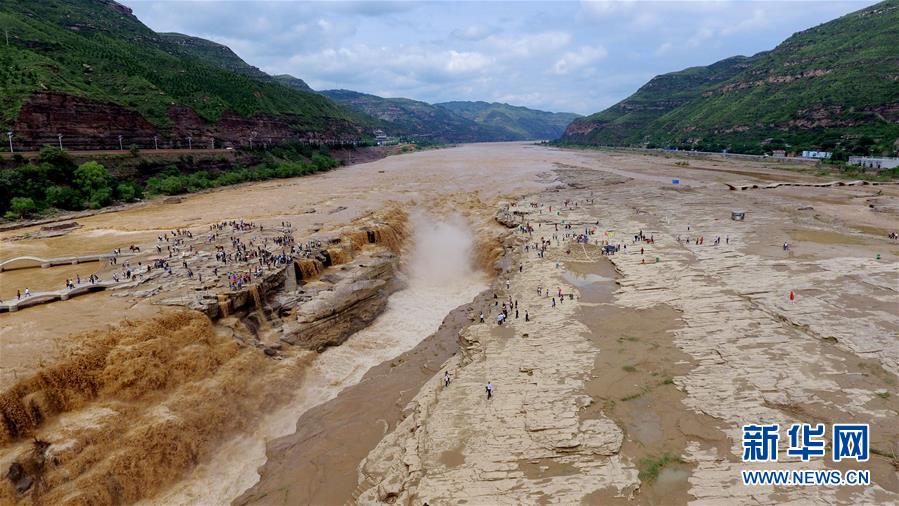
(541, 54)
(574, 60)
(531, 44)
(663, 48)
(466, 62)
(604, 8)
(472, 32)
(758, 19)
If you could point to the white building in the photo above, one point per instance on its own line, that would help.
(825, 155)
(876, 163)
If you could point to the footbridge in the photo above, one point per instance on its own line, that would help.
(36, 298)
(30, 262)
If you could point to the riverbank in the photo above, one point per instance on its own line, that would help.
(138, 167)
(638, 392)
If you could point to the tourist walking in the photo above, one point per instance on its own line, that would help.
(489, 390)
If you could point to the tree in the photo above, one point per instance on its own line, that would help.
(20, 207)
(128, 191)
(91, 176)
(94, 181)
(56, 157)
(63, 197)
(101, 197)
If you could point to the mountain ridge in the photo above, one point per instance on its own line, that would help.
(524, 122)
(91, 71)
(831, 86)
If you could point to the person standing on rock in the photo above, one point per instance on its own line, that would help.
(446, 379)
(527, 317)
(482, 317)
(489, 390)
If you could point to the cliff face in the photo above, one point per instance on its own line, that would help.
(87, 124)
(91, 71)
(818, 89)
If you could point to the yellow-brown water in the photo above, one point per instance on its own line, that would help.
(440, 276)
(132, 409)
(175, 400)
(108, 406)
(478, 173)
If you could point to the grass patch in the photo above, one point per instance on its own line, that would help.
(629, 368)
(650, 468)
(668, 381)
(632, 397)
(883, 395)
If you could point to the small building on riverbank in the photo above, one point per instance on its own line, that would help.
(874, 163)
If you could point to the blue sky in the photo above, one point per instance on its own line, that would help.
(559, 56)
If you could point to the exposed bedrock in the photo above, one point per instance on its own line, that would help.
(330, 309)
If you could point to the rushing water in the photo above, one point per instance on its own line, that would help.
(439, 277)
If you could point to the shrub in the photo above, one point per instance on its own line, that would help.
(128, 191)
(100, 197)
(64, 197)
(91, 176)
(21, 207)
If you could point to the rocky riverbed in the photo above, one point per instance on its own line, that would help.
(636, 388)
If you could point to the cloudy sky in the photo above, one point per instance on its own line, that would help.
(560, 56)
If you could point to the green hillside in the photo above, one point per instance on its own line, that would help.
(293, 82)
(222, 56)
(832, 86)
(521, 122)
(213, 52)
(419, 120)
(96, 49)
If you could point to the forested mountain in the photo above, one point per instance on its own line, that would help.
(411, 118)
(224, 57)
(521, 122)
(455, 121)
(91, 71)
(292, 82)
(834, 86)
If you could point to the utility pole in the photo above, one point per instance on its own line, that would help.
(9, 134)
(59, 136)
(189, 145)
(155, 143)
(120, 143)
